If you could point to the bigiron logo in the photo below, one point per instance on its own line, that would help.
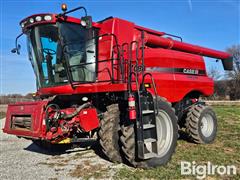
(208, 169)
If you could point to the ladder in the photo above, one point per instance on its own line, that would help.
(146, 130)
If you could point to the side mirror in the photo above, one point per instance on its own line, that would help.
(17, 46)
(16, 49)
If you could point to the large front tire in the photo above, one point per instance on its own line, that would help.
(109, 133)
(128, 138)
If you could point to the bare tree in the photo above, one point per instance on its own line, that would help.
(214, 73)
(234, 75)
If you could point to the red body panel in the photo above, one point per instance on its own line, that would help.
(83, 89)
(88, 119)
(34, 109)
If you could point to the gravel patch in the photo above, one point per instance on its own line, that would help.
(21, 159)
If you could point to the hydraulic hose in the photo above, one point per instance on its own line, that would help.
(85, 105)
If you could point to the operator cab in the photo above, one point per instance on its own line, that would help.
(62, 49)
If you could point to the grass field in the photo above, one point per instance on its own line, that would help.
(224, 151)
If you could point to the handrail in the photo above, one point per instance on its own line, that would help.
(154, 87)
(125, 61)
(87, 63)
(138, 97)
(117, 45)
(130, 63)
(143, 63)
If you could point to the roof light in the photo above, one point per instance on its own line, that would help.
(31, 20)
(38, 18)
(22, 25)
(64, 7)
(47, 18)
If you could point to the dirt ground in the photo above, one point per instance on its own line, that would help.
(21, 159)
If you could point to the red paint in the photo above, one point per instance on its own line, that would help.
(35, 109)
(88, 119)
(185, 47)
(132, 108)
(132, 114)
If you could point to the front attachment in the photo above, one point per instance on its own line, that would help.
(25, 119)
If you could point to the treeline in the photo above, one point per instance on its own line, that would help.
(228, 87)
(12, 98)
(226, 90)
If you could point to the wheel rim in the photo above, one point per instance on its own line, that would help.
(164, 133)
(207, 125)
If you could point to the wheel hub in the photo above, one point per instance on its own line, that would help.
(207, 125)
(164, 133)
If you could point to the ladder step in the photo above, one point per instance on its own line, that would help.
(147, 112)
(148, 126)
(149, 155)
(149, 140)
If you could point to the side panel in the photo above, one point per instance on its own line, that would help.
(159, 64)
(176, 73)
(107, 46)
(192, 76)
(21, 114)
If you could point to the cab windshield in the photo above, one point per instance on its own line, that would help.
(62, 53)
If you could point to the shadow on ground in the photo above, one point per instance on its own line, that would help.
(67, 149)
(184, 136)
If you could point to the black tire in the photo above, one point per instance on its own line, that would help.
(109, 133)
(194, 124)
(128, 140)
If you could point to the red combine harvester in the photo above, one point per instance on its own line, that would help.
(133, 86)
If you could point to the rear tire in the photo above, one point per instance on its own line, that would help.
(109, 133)
(201, 124)
(128, 140)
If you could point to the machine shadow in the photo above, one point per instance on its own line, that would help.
(184, 136)
(84, 146)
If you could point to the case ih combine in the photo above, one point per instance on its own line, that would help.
(133, 86)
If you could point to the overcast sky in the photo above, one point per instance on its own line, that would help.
(214, 24)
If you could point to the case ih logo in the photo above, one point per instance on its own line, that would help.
(190, 71)
(177, 70)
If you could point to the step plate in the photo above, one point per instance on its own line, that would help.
(144, 112)
(148, 126)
